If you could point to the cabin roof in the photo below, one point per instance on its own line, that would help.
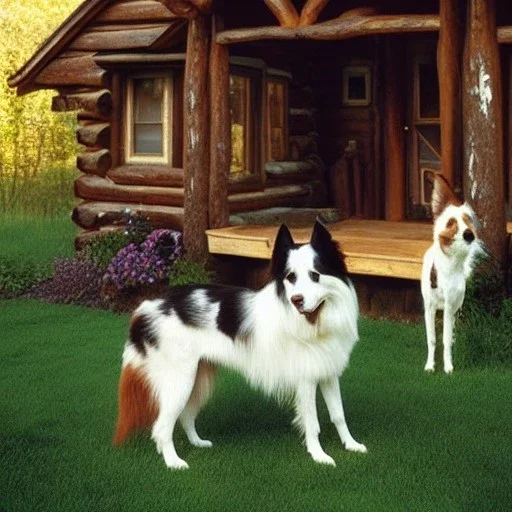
(85, 12)
(65, 36)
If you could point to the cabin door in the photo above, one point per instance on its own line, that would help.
(423, 139)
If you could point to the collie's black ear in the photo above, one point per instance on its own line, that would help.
(320, 235)
(283, 244)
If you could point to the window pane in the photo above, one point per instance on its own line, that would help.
(239, 95)
(148, 139)
(276, 121)
(429, 91)
(148, 94)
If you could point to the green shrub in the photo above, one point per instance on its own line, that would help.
(102, 249)
(184, 272)
(483, 331)
(17, 276)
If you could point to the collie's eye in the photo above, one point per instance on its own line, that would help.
(292, 277)
(315, 276)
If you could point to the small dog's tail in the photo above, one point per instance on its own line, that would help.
(137, 407)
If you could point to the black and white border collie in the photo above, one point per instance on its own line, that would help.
(291, 336)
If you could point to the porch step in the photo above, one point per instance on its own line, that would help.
(374, 248)
(292, 217)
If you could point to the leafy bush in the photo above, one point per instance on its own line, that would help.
(483, 330)
(188, 272)
(148, 263)
(102, 250)
(17, 276)
(74, 281)
(138, 227)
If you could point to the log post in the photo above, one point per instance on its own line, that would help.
(483, 125)
(394, 140)
(220, 137)
(196, 139)
(449, 55)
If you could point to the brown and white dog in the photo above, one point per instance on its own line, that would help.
(447, 264)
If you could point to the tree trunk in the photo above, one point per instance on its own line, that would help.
(483, 126)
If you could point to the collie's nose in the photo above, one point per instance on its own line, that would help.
(298, 301)
(468, 235)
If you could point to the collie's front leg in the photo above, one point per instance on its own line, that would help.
(332, 395)
(307, 420)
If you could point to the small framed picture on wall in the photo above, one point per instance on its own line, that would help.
(356, 86)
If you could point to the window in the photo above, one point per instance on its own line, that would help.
(148, 119)
(356, 86)
(276, 108)
(240, 103)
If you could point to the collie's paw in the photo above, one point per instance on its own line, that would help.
(202, 443)
(323, 458)
(429, 367)
(172, 461)
(448, 368)
(354, 446)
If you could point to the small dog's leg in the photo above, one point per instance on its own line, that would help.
(332, 396)
(430, 325)
(307, 420)
(173, 396)
(448, 324)
(188, 422)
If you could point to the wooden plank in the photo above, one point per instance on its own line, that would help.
(379, 248)
(285, 195)
(338, 29)
(78, 70)
(140, 10)
(122, 38)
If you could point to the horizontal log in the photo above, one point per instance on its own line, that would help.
(101, 189)
(126, 59)
(98, 214)
(154, 175)
(301, 146)
(301, 121)
(287, 168)
(337, 29)
(140, 10)
(96, 102)
(181, 8)
(287, 195)
(122, 38)
(94, 162)
(94, 135)
(80, 70)
(505, 34)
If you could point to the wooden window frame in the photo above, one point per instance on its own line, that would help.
(168, 104)
(253, 176)
(284, 79)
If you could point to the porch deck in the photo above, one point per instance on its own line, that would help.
(372, 247)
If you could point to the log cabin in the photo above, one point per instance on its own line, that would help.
(212, 116)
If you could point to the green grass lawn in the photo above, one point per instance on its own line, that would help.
(436, 442)
(36, 239)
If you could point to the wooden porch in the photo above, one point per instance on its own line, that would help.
(371, 247)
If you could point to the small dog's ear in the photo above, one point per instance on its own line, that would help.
(284, 242)
(442, 195)
(320, 235)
